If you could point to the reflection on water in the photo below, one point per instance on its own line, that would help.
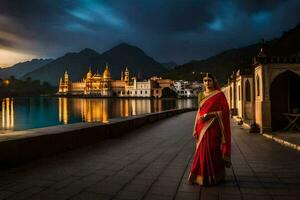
(32, 112)
(7, 113)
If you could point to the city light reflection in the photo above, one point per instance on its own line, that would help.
(63, 110)
(7, 113)
(25, 113)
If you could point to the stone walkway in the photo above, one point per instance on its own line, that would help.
(153, 163)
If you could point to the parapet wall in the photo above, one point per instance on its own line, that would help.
(21, 146)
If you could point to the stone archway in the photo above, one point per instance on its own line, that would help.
(285, 98)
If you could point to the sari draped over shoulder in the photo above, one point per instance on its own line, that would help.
(213, 140)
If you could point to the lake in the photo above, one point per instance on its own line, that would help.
(22, 113)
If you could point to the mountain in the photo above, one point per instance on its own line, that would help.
(169, 65)
(222, 65)
(117, 58)
(288, 43)
(20, 69)
(134, 58)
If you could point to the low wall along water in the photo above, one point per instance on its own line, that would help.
(21, 146)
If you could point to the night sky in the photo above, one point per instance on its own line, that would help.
(167, 30)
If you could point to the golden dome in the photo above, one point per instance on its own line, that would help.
(89, 74)
(106, 73)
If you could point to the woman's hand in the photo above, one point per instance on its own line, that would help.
(204, 117)
(195, 135)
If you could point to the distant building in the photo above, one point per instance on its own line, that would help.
(162, 87)
(103, 85)
(138, 88)
(94, 84)
(187, 89)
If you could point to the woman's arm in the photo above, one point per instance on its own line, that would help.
(207, 116)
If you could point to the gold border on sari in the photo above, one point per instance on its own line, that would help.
(208, 97)
(201, 104)
(203, 130)
(220, 119)
(195, 178)
(212, 180)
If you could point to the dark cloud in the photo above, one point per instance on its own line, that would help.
(167, 15)
(253, 6)
(178, 30)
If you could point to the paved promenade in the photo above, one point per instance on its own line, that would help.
(153, 163)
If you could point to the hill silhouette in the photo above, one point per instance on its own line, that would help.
(222, 65)
(117, 58)
(22, 68)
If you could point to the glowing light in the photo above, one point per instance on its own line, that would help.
(59, 109)
(9, 58)
(7, 113)
(63, 110)
(3, 113)
(12, 121)
(6, 82)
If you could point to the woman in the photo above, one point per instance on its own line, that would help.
(212, 134)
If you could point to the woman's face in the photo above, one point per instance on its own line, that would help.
(208, 82)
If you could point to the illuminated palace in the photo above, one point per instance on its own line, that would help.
(103, 85)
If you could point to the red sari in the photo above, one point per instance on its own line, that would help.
(213, 140)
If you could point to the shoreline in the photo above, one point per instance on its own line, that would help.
(93, 97)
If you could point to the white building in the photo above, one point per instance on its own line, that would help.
(138, 89)
(185, 89)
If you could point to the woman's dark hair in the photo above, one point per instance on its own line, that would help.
(210, 76)
(216, 83)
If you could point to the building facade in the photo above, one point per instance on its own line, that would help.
(268, 94)
(187, 89)
(103, 85)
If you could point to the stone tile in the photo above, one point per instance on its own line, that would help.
(157, 197)
(91, 179)
(136, 188)
(19, 186)
(130, 195)
(105, 189)
(256, 197)
(163, 190)
(26, 194)
(209, 196)
(113, 180)
(90, 196)
(286, 197)
(229, 190)
(63, 183)
(49, 194)
(4, 194)
(72, 189)
(249, 184)
(247, 179)
(281, 192)
(230, 197)
(254, 191)
(143, 181)
(189, 188)
(187, 196)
